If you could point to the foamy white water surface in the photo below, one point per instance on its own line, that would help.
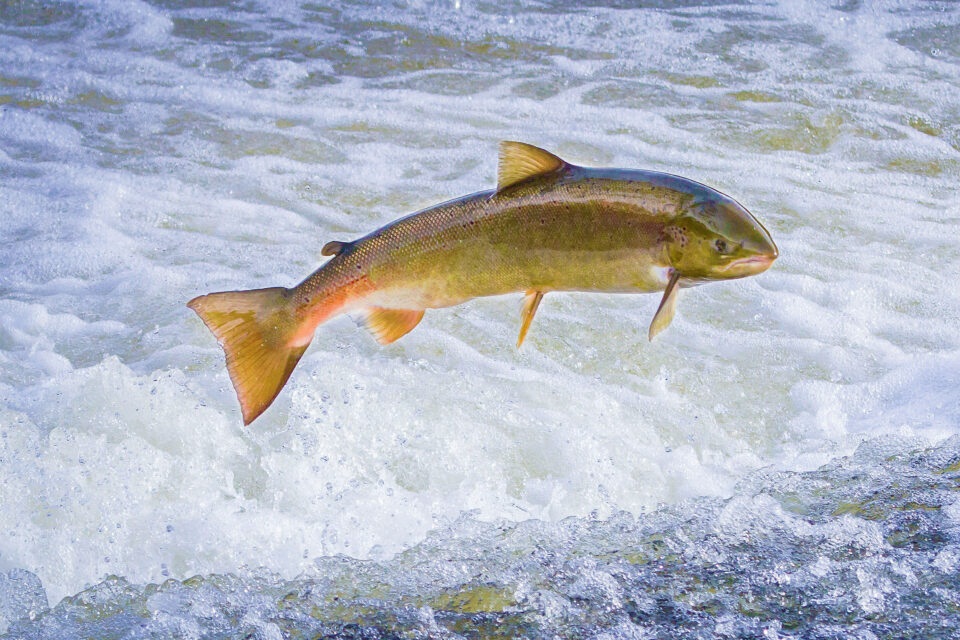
(789, 443)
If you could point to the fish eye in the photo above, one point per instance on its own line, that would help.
(721, 245)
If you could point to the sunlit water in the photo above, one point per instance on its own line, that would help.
(783, 461)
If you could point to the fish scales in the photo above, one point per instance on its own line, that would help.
(564, 238)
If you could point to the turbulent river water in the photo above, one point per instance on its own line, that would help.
(783, 461)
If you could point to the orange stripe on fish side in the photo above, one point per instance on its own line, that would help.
(330, 305)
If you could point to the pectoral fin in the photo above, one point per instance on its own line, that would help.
(389, 325)
(668, 306)
(530, 304)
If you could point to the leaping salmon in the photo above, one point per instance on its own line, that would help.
(548, 226)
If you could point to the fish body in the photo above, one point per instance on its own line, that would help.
(549, 226)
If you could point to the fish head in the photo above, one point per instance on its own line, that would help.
(716, 238)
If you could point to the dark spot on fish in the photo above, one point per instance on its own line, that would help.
(675, 234)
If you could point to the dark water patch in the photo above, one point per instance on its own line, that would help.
(36, 13)
(236, 5)
(217, 31)
(936, 41)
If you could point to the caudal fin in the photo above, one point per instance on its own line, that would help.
(255, 329)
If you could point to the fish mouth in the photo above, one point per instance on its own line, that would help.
(751, 265)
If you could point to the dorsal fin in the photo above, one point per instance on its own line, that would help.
(520, 161)
(334, 248)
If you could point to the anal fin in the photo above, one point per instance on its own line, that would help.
(530, 304)
(389, 325)
(668, 306)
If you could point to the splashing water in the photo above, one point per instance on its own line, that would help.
(781, 462)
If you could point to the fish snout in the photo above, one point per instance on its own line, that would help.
(759, 250)
(761, 257)
(768, 249)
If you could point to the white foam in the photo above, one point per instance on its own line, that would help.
(169, 163)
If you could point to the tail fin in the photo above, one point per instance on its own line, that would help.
(255, 329)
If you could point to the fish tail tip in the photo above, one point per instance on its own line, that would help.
(255, 329)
